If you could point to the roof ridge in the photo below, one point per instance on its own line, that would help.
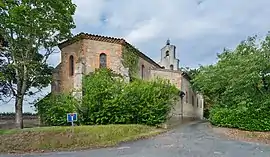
(109, 39)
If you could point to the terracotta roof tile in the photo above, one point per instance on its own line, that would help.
(121, 41)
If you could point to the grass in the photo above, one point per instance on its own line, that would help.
(65, 138)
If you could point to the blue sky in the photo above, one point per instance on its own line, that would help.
(198, 31)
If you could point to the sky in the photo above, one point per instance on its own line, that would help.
(198, 28)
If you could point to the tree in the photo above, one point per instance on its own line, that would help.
(241, 76)
(29, 27)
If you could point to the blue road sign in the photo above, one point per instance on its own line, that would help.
(72, 117)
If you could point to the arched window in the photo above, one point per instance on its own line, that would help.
(142, 71)
(167, 53)
(192, 101)
(171, 67)
(186, 97)
(71, 65)
(102, 60)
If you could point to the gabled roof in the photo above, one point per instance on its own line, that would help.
(120, 41)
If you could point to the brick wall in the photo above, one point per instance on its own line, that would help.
(62, 71)
(86, 52)
(92, 51)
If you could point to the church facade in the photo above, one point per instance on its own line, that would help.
(85, 52)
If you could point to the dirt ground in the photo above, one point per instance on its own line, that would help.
(9, 124)
(248, 136)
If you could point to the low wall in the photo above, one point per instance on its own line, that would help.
(12, 117)
(7, 121)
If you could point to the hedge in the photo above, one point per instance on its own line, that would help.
(251, 119)
(107, 99)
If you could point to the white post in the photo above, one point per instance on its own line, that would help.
(72, 124)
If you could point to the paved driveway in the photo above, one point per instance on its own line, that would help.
(191, 140)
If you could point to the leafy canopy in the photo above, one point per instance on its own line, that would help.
(240, 76)
(238, 86)
(29, 26)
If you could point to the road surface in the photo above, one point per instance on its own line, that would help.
(190, 140)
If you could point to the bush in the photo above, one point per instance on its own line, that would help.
(252, 119)
(100, 90)
(53, 109)
(109, 100)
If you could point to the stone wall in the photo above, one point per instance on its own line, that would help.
(144, 69)
(92, 51)
(192, 101)
(173, 76)
(56, 80)
(63, 72)
(86, 55)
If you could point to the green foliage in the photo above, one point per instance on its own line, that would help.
(130, 60)
(100, 89)
(53, 109)
(238, 85)
(109, 100)
(251, 119)
(28, 27)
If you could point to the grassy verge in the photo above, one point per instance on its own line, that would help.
(65, 138)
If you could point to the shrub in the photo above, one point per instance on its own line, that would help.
(252, 119)
(109, 100)
(53, 109)
(150, 102)
(100, 90)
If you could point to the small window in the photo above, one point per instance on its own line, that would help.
(71, 65)
(167, 53)
(192, 100)
(142, 71)
(197, 102)
(171, 67)
(186, 97)
(102, 60)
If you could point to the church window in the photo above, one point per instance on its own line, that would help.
(71, 65)
(171, 67)
(192, 100)
(186, 97)
(167, 53)
(142, 71)
(102, 60)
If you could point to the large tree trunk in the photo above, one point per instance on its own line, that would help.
(19, 112)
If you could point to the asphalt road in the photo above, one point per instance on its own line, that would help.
(191, 140)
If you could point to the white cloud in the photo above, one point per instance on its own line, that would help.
(145, 31)
(198, 31)
(88, 11)
(140, 21)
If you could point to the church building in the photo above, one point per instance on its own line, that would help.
(83, 53)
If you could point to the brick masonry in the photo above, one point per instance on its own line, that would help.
(86, 54)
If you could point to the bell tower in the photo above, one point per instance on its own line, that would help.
(168, 57)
